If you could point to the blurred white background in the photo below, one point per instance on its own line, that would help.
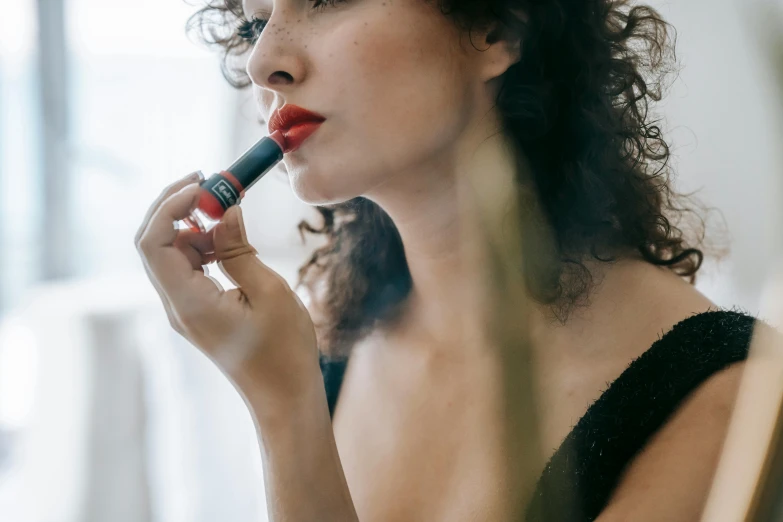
(105, 413)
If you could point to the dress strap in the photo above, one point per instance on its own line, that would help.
(581, 475)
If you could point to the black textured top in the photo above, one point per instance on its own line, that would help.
(581, 475)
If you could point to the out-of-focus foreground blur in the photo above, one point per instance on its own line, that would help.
(106, 414)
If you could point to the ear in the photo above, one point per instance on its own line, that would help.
(500, 48)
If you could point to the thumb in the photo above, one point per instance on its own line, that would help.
(235, 255)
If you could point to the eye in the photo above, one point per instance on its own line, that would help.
(251, 29)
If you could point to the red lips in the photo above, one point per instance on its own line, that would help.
(296, 123)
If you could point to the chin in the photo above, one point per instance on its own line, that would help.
(315, 190)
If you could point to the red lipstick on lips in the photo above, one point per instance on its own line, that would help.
(296, 123)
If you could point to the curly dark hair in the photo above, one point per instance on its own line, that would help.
(577, 106)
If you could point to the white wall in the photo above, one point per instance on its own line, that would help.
(724, 114)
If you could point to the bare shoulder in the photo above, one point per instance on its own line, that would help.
(633, 305)
(671, 477)
(636, 302)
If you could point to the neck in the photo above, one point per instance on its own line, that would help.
(435, 208)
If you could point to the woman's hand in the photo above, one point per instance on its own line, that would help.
(262, 337)
(259, 334)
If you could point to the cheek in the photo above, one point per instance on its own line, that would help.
(400, 95)
(405, 73)
(404, 88)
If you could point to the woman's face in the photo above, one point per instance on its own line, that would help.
(392, 78)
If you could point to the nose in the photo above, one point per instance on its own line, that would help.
(276, 62)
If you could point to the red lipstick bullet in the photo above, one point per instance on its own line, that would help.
(227, 188)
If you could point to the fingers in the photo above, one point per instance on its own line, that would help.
(160, 231)
(164, 299)
(198, 247)
(168, 191)
(171, 189)
(170, 266)
(238, 260)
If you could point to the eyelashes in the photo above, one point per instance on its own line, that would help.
(250, 30)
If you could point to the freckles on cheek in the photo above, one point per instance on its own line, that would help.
(362, 59)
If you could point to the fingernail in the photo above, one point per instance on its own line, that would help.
(196, 175)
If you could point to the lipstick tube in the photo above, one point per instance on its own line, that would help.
(228, 187)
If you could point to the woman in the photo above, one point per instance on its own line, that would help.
(423, 100)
